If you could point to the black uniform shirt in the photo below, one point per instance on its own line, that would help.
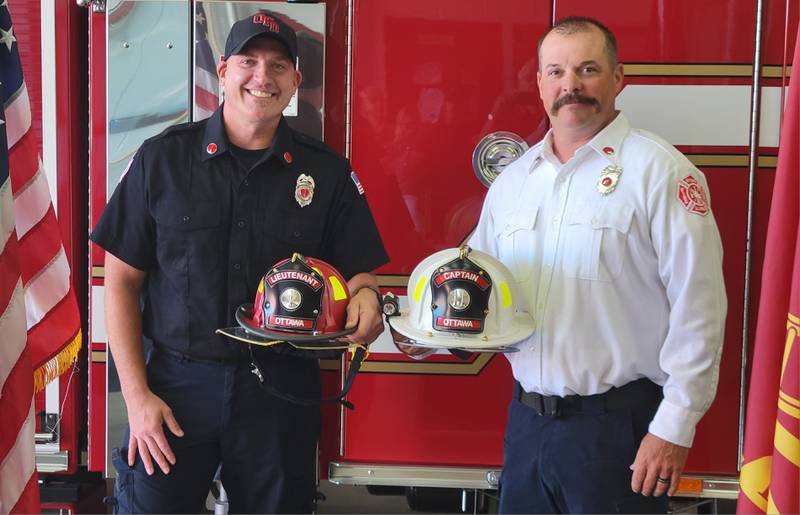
(205, 229)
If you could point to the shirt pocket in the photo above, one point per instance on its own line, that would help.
(281, 240)
(515, 236)
(190, 236)
(595, 243)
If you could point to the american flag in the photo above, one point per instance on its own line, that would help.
(39, 319)
(206, 83)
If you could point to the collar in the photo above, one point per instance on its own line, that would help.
(535, 154)
(608, 142)
(215, 140)
(283, 147)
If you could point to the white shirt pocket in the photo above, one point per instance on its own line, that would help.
(595, 243)
(515, 235)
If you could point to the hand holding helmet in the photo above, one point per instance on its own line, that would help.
(301, 302)
(301, 309)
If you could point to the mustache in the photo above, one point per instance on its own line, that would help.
(573, 98)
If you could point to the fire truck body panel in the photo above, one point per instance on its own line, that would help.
(410, 89)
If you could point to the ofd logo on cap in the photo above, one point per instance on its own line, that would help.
(267, 21)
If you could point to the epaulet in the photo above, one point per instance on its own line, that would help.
(174, 130)
(304, 139)
(662, 145)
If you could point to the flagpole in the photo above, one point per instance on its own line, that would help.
(755, 115)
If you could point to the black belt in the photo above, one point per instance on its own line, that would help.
(187, 357)
(627, 396)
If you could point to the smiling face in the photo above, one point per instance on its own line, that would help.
(578, 82)
(258, 82)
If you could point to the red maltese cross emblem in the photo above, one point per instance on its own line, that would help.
(693, 196)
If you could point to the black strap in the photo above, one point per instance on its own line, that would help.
(359, 356)
(463, 355)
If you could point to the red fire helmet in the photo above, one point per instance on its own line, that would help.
(299, 300)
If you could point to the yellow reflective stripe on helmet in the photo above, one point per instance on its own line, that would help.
(420, 286)
(261, 286)
(506, 294)
(338, 289)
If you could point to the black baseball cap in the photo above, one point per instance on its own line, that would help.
(265, 24)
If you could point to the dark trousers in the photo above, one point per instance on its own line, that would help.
(578, 462)
(266, 447)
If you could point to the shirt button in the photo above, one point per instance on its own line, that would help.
(555, 221)
(296, 234)
(245, 183)
(237, 266)
(186, 218)
(240, 224)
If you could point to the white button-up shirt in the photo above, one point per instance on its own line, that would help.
(622, 285)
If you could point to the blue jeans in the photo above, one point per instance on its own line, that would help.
(578, 463)
(266, 447)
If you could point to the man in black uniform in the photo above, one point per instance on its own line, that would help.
(202, 212)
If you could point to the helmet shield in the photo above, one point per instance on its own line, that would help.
(301, 301)
(460, 291)
(460, 298)
(289, 297)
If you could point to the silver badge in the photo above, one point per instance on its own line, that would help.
(609, 177)
(304, 190)
(459, 299)
(291, 299)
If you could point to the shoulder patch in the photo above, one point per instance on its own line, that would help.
(693, 196)
(359, 187)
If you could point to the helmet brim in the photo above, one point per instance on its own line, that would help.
(522, 328)
(250, 332)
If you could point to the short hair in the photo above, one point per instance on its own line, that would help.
(575, 24)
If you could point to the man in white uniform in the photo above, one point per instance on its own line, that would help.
(610, 232)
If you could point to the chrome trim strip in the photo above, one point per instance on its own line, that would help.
(343, 473)
(715, 487)
(52, 462)
(347, 136)
(349, 77)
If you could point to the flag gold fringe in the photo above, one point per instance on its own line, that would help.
(58, 364)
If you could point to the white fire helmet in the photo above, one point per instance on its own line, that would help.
(461, 298)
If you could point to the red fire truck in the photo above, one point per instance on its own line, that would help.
(428, 99)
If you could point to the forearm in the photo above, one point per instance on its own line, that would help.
(362, 280)
(124, 327)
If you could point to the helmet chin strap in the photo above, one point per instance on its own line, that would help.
(359, 354)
